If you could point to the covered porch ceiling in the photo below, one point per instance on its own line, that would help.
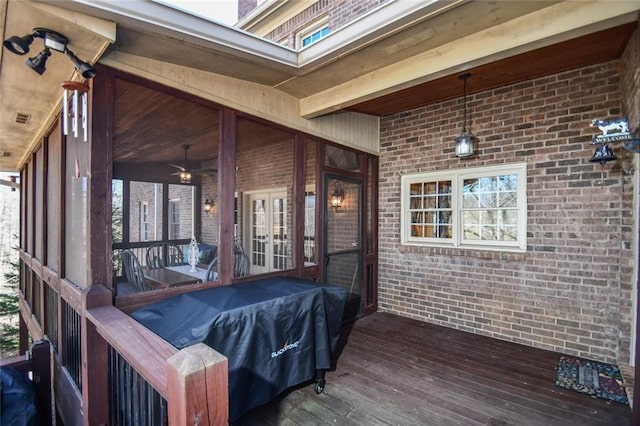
(401, 56)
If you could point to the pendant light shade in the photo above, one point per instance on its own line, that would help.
(464, 142)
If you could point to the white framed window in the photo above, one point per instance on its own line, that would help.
(144, 220)
(174, 219)
(478, 208)
(312, 33)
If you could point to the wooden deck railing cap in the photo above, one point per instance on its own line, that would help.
(198, 387)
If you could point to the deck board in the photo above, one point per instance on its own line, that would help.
(398, 371)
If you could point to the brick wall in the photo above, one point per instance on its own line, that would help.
(630, 85)
(265, 168)
(339, 13)
(570, 291)
(146, 192)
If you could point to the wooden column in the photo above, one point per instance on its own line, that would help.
(41, 368)
(226, 191)
(100, 166)
(95, 389)
(299, 180)
(198, 387)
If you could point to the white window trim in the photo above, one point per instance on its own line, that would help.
(310, 29)
(144, 220)
(456, 176)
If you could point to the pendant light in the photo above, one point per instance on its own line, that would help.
(464, 142)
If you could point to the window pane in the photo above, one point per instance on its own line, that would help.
(508, 199)
(181, 212)
(509, 217)
(341, 158)
(149, 194)
(310, 203)
(430, 203)
(116, 211)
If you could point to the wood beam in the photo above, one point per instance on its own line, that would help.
(547, 26)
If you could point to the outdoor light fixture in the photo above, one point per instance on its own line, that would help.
(337, 197)
(38, 63)
(52, 41)
(464, 142)
(208, 204)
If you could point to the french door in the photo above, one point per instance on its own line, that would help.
(267, 231)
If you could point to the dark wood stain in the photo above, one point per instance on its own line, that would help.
(398, 371)
(599, 47)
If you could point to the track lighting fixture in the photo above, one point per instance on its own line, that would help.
(52, 41)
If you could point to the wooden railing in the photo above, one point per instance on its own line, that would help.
(96, 346)
(193, 381)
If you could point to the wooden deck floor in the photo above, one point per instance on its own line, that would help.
(397, 371)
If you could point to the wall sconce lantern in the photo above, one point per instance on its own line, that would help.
(622, 135)
(52, 41)
(208, 204)
(337, 197)
(464, 142)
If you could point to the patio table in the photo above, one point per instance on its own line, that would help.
(166, 277)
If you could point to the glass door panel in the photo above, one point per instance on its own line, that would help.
(343, 251)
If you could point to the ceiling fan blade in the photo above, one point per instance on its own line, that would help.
(178, 167)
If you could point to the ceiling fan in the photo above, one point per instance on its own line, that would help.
(185, 172)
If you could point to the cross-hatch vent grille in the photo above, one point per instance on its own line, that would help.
(22, 118)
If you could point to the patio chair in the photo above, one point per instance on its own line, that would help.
(133, 272)
(161, 255)
(211, 270)
(241, 264)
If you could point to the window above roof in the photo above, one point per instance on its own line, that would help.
(312, 33)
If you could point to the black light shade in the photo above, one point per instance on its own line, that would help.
(85, 69)
(19, 45)
(38, 63)
(603, 154)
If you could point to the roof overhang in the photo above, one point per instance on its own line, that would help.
(397, 46)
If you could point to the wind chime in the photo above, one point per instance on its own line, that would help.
(78, 91)
(78, 113)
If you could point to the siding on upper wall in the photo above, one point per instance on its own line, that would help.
(570, 291)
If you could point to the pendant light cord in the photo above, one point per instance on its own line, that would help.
(464, 78)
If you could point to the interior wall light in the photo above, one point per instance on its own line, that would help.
(464, 142)
(208, 204)
(337, 196)
(52, 41)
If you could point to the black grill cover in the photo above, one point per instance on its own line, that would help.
(275, 332)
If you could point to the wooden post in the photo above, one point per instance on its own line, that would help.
(95, 379)
(41, 368)
(198, 387)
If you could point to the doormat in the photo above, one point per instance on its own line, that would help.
(591, 377)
